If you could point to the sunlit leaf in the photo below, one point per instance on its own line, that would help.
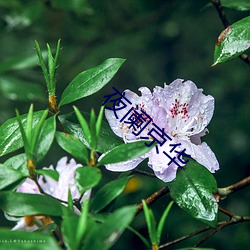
(193, 191)
(125, 152)
(90, 81)
(10, 136)
(233, 41)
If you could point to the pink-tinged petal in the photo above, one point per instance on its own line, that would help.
(29, 187)
(159, 163)
(202, 154)
(189, 110)
(126, 165)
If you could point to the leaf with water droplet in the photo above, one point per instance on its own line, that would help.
(193, 190)
(232, 41)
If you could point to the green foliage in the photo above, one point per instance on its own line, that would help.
(17, 240)
(108, 193)
(50, 70)
(110, 230)
(73, 146)
(87, 178)
(241, 5)
(125, 152)
(233, 41)
(107, 139)
(10, 136)
(90, 81)
(19, 90)
(30, 204)
(154, 231)
(9, 176)
(193, 191)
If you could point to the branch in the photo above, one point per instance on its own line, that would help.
(226, 23)
(235, 220)
(152, 198)
(223, 192)
(144, 173)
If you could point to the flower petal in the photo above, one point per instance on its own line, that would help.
(29, 187)
(21, 225)
(189, 110)
(203, 154)
(126, 165)
(159, 163)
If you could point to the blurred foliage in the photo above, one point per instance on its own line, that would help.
(161, 41)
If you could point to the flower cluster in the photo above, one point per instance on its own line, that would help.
(183, 111)
(58, 189)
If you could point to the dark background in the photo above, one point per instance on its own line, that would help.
(161, 41)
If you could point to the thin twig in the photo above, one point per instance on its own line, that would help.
(226, 23)
(152, 198)
(224, 211)
(144, 173)
(235, 220)
(223, 192)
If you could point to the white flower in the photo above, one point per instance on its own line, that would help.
(58, 189)
(183, 111)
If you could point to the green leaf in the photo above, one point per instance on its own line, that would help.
(195, 248)
(10, 136)
(19, 63)
(8, 176)
(90, 81)
(151, 223)
(99, 122)
(162, 221)
(125, 152)
(92, 127)
(16, 240)
(18, 162)
(87, 177)
(108, 193)
(78, 6)
(241, 5)
(53, 174)
(143, 239)
(20, 204)
(193, 191)
(74, 228)
(19, 90)
(73, 146)
(107, 139)
(233, 41)
(46, 137)
(69, 230)
(84, 125)
(105, 235)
